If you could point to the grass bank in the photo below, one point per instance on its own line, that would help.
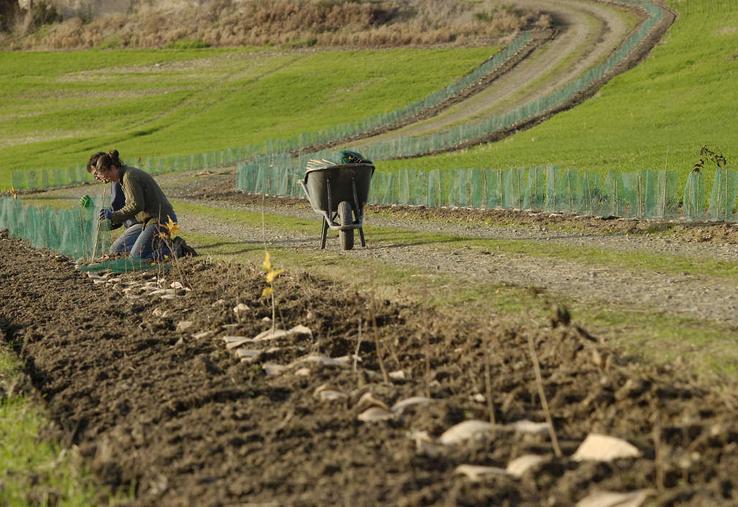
(57, 108)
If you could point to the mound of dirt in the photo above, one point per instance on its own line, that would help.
(166, 389)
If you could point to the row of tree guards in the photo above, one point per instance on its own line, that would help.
(646, 194)
(72, 232)
(652, 194)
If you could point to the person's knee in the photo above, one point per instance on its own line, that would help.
(118, 248)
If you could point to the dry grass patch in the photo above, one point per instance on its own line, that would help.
(302, 23)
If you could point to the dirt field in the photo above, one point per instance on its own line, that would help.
(162, 405)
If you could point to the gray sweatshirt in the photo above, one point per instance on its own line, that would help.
(144, 198)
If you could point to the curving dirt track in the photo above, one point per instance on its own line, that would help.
(587, 33)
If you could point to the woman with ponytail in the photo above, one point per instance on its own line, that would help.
(117, 200)
(144, 202)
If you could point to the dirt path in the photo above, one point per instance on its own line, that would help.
(589, 31)
(157, 404)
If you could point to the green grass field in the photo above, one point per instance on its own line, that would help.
(56, 108)
(657, 115)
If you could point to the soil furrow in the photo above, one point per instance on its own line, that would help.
(175, 414)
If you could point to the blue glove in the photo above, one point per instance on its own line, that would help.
(106, 214)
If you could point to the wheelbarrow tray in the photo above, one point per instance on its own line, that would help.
(327, 187)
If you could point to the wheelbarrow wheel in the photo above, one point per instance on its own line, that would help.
(345, 217)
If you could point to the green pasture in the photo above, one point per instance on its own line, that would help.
(58, 107)
(657, 115)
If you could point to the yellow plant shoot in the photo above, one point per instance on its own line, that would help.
(172, 227)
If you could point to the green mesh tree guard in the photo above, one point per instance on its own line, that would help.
(724, 196)
(72, 232)
(694, 203)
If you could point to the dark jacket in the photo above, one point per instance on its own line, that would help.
(144, 199)
(118, 200)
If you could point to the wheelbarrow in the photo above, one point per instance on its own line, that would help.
(339, 193)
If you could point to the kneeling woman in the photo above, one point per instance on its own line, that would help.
(144, 202)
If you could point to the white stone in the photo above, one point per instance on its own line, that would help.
(341, 362)
(465, 431)
(327, 393)
(476, 473)
(408, 402)
(375, 414)
(369, 400)
(248, 355)
(526, 426)
(240, 308)
(604, 448)
(519, 466)
(612, 499)
(273, 370)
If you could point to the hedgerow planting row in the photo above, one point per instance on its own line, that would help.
(466, 134)
(72, 232)
(390, 119)
(643, 194)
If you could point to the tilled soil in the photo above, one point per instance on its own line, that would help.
(168, 410)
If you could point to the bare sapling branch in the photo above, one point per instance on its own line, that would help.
(542, 396)
(658, 450)
(358, 346)
(427, 353)
(488, 382)
(378, 344)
